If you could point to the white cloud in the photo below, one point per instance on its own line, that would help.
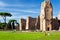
(2, 4)
(20, 5)
(54, 16)
(11, 5)
(5, 4)
(18, 10)
(16, 5)
(16, 17)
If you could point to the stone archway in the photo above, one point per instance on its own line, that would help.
(48, 29)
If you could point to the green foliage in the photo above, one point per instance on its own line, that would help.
(2, 25)
(5, 14)
(11, 24)
(12, 21)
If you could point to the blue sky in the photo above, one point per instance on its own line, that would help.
(24, 8)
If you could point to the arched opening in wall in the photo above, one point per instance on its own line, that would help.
(48, 28)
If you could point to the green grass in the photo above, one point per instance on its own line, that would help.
(9, 35)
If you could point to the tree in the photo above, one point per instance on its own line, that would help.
(2, 25)
(4, 15)
(12, 23)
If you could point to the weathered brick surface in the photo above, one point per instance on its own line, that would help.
(44, 22)
(22, 24)
(30, 23)
(46, 16)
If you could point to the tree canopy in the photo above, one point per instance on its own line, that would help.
(5, 14)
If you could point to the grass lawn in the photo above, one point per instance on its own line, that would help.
(9, 35)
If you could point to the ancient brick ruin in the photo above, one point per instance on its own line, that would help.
(43, 22)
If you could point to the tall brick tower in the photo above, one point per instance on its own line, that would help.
(46, 16)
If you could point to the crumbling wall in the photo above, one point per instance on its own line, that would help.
(22, 24)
